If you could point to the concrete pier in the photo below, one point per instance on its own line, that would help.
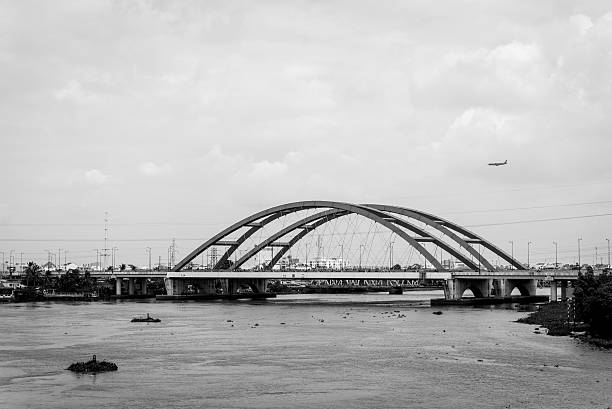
(118, 283)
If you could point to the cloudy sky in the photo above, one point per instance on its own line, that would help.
(179, 118)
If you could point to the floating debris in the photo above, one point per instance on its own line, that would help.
(92, 366)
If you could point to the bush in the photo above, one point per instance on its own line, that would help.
(593, 297)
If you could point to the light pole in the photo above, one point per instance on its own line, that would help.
(608, 240)
(148, 249)
(391, 255)
(595, 263)
(11, 261)
(512, 253)
(579, 240)
(341, 255)
(97, 258)
(113, 250)
(21, 261)
(307, 246)
(528, 244)
(556, 247)
(3, 262)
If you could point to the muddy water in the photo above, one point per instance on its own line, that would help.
(308, 351)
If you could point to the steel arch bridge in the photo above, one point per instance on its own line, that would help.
(399, 220)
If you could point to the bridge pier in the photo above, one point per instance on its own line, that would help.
(130, 286)
(174, 286)
(553, 291)
(118, 283)
(488, 287)
(143, 286)
(563, 290)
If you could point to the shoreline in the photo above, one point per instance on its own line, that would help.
(557, 318)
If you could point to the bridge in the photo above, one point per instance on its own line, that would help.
(285, 227)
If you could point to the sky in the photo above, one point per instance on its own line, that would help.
(178, 118)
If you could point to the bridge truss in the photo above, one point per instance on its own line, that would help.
(426, 237)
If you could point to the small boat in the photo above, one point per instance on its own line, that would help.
(437, 312)
(148, 319)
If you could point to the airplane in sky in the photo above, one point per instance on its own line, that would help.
(499, 163)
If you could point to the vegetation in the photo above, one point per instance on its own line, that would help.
(590, 310)
(593, 297)
(71, 281)
(92, 366)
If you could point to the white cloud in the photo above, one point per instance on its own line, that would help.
(74, 91)
(581, 22)
(95, 177)
(152, 169)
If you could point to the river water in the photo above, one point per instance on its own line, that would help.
(304, 351)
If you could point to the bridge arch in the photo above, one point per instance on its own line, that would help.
(382, 214)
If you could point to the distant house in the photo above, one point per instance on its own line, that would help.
(70, 266)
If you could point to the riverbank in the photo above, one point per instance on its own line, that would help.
(558, 319)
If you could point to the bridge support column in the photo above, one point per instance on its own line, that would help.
(118, 283)
(143, 286)
(570, 289)
(563, 290)
(455, 287)
(130, 286)
(525, 286)
(553, 291)
(174, 286)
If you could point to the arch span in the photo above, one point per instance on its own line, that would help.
(384, 215)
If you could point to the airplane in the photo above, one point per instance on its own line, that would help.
(499, 163)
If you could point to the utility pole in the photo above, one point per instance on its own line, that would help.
(556, 252)
(105, 249)
(341, 256)
(149, 250)
(3, 262)
(391, 255)
(595, 263)
(21, 261)
(307, 245)
(512, 253)
(528, 244)
(579, 265)
(608, 240)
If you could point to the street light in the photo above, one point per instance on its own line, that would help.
(512, 253)
(341, 255)
(556, 263)
(113, 250)
(148, 249)
(528, 244)
(391, 255)
(97, 259)
(579, 265)
(307, 245)
(2, 262)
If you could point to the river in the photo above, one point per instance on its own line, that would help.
(303, 351)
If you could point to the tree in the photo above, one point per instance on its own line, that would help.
(593, 297)
(32, 275)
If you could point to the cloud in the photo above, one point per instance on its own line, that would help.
(581, 22)
(152, 169)
(75, 92)
(95, 177)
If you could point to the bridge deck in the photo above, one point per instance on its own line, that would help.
(344, 275)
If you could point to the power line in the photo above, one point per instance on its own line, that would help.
(540, 220)
(531, 207)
